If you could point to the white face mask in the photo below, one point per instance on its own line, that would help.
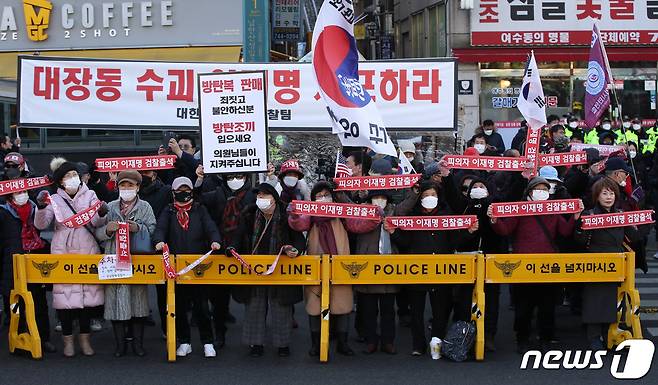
(379, 202)
(488, 132)
(539, 195)
(480, 148)
(637, 127)
(633, 154)
(290, 181)
(606, 126)
(263, 203)
(479, 193)
(552, 189)
(324, 199)
(127, 195)
(21, 198)
(573, 124)
(429, 202)
(410, 158)
(235, 184)
(71, 185)
(627, 124)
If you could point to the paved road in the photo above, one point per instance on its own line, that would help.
(234, 366)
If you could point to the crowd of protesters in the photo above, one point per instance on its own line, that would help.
(192, 213)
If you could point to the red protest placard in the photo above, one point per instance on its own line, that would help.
(384, 182)
(532, 146)
(516, 209)
(16, 185)
(154, 162)
(495, 163)
(166, 263)
(563, 159)
(630, 218)
(604, 150)
(336, 210)
(446, 222)
(124, 261)
(82, 218)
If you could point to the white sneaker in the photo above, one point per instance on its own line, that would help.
(209, 351)
(655, 256)
(96, 325)
(58, 327)
(183, 350)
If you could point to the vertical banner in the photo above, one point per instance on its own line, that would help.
(256, 47)
(123, 261)
(233, 122)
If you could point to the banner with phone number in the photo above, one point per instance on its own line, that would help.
(153, 162)
(516, 209)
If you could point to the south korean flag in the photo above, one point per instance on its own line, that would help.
(532, 103)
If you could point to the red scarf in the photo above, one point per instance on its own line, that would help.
(30, 238)
(183, 215)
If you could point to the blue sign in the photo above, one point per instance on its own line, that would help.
(256, 46)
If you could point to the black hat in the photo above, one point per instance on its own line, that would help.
(268, 189)
(58, 175)
(83, 168)
(615, 163)
(374, 193)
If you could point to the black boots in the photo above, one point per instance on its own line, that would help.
(119, 329)
(137, 325)
(342, 324)
(314, 326)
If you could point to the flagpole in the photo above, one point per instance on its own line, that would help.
(619, 106)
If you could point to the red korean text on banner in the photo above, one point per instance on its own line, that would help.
(336, 210)
(563, 159)
(16, 185)
(447, 222)
(124, 259)
(532, 147)
(166, 263)
(630, 218)
(495, 163)
(604, 150)
(155, 162)
(76, 220)
(384, 182)
(528, 208)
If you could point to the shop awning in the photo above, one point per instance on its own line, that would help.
(8, 60)
(491, 55)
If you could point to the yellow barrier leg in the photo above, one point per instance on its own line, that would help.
(171, 320)
(30, 340)
(629, 296)
(324, 325)
(479, 301)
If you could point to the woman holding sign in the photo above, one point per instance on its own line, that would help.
(127, 305)
(431, 242)
(327, 236)
(75, 211)
(533, 234)
(600, 299)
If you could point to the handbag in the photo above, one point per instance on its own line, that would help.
(140, 242)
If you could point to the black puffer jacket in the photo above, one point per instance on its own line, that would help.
(201, 232)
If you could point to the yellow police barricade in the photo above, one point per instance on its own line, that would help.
(417, 269)
(220, 270)
(69, 269)
(583, 267)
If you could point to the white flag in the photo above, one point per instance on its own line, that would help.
(532, 103)
(405, 166)
(353, 113)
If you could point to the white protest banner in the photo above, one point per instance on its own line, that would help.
(233, 122)
(604, 150)
(119, 94)
(107, 269)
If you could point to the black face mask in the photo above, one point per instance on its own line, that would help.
(183, 196)
(12, 172)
